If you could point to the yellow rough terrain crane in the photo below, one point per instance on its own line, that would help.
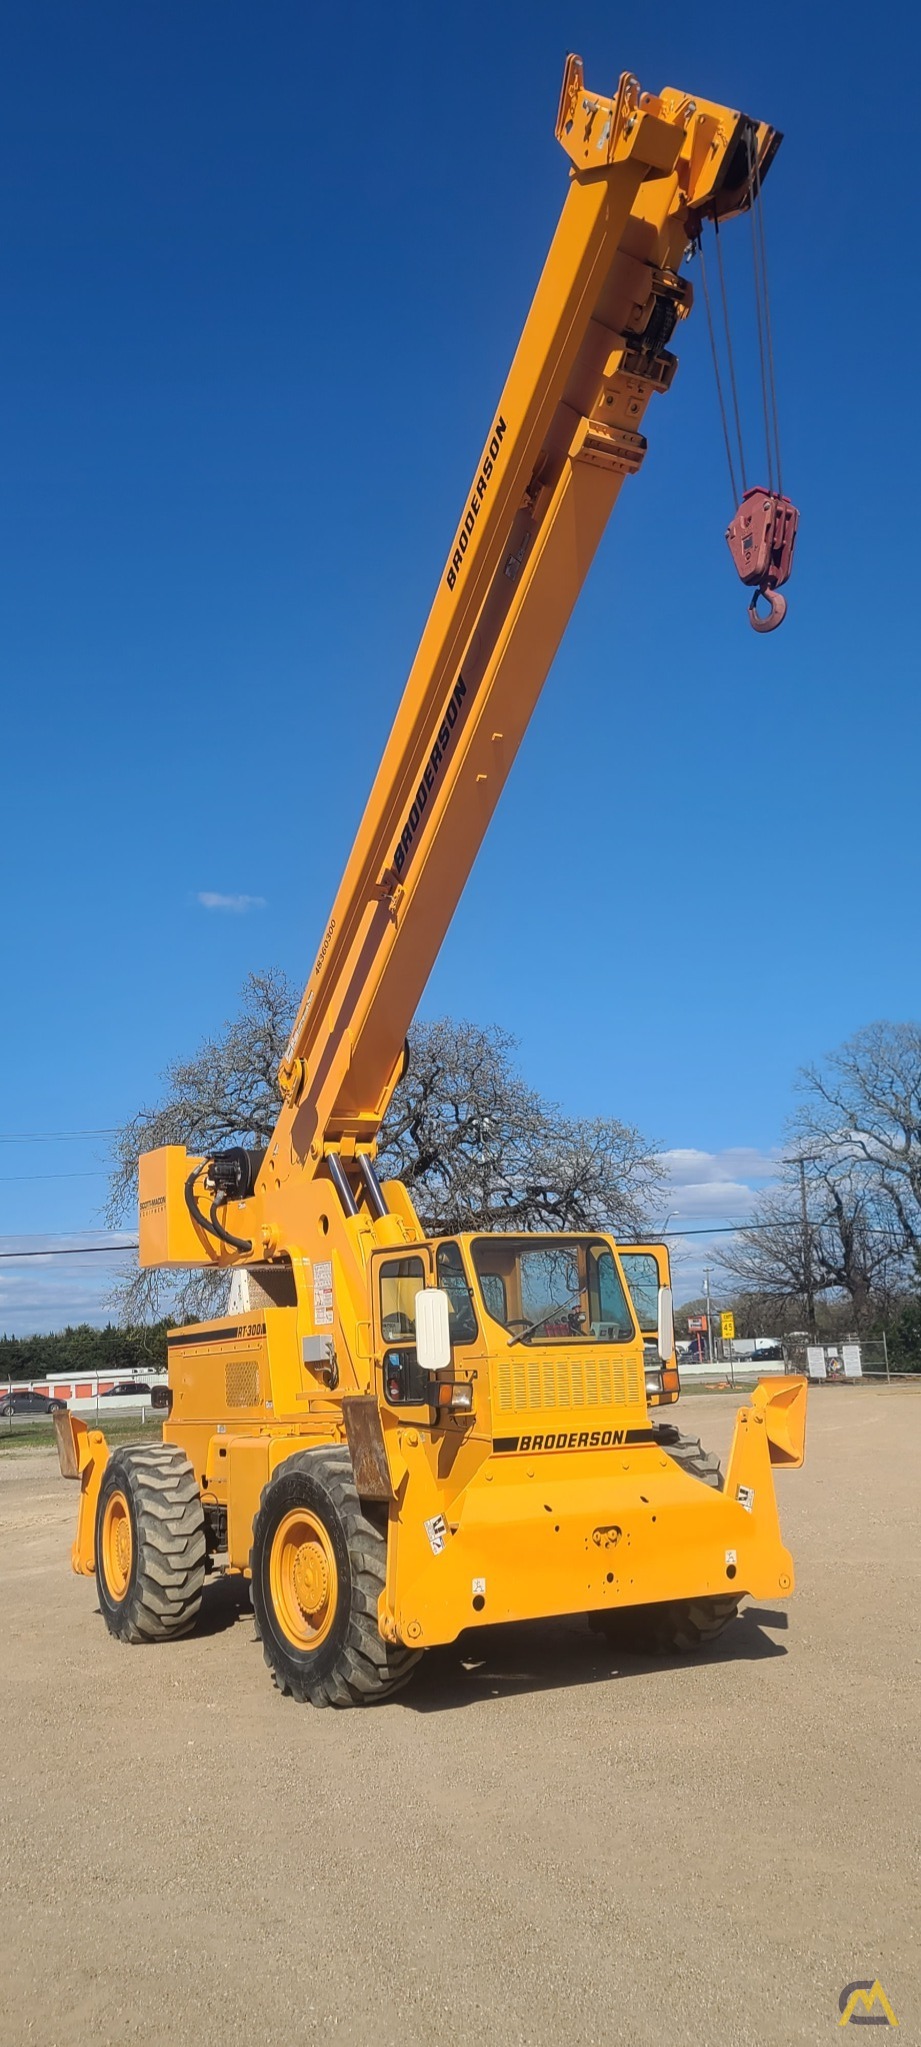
(403, 1436)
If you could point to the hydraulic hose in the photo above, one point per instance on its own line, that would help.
(211, 1224)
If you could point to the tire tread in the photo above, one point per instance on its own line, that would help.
(367, 1668)
(164, 1600)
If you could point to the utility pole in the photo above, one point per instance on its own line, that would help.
(710, 1351)
(807, 1249)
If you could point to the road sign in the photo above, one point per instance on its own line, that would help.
(727, 1327)
(697, 1322)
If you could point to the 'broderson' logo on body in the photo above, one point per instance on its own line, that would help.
(573, 1439)
(430, 774)
(473, 509)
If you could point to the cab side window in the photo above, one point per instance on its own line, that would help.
(400, 1281)
(642, 1276)
(610, 1315)
(450, 1274)
(494, 1294)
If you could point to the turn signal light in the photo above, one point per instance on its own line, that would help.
(457, 1394)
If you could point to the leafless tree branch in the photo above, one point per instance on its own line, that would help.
(476, 1147)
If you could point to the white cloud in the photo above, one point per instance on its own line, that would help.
(718, 1188)
(48, 1289)
(739, 1162)
(238, 905)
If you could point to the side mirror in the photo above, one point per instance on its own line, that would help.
(666, 1336)
(433, 1334)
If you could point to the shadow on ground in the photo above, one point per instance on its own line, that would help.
(510, 1660)
(224, 1601)
(542, 1656)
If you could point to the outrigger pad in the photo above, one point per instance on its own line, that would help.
(782, 1405)
(68, 1429)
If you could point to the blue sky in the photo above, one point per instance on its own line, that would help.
(264, 271)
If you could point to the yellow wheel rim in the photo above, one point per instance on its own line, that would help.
(303, 1579)
(117, 1545)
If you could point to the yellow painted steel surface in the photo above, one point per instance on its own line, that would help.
(574, 1531)
(83, 1454)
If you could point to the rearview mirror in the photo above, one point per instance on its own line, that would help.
(666, 1337)
(433, 1335)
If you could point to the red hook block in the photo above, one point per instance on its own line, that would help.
(761, 541)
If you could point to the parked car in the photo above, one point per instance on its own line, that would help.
(124, 1386)
(29, 1403)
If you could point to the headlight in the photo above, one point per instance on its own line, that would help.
(653, 1379)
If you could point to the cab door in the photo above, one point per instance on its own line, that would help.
(646, 1268)
(396, 1277)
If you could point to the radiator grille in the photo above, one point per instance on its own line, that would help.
(531, 1383)
(241, 1385)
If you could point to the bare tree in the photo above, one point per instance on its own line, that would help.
(476, 1147)
(227, 1093)
(838, 1248)
(860, 1115)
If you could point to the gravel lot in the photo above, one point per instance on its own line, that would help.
(540, 1842)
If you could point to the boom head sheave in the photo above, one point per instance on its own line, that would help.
(706, 146)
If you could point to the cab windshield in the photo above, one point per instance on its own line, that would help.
(553, 1289)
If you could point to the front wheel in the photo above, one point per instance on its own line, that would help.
(318, 1567)
(150, 1544)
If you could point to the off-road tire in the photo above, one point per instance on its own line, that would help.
(162, 1593)
(675, 1627)
(689, 1452)
(351, 1664)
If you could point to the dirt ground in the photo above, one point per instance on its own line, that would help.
(541, 1841)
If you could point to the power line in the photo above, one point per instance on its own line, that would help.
(705, 1230)
(19, 1179)
(88, 1231)
(748, 1229)
(49, 1136)
(71, 1251)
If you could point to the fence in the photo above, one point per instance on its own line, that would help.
(88, 1394)
(866, 1360)
(824, 1364)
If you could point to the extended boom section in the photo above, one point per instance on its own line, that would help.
(564, 435)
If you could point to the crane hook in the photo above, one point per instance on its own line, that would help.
(774, 617)
(761, 539)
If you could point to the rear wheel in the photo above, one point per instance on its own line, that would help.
(150, 1544)
(675, 1626)
(318, 1566)
(689, 1452)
